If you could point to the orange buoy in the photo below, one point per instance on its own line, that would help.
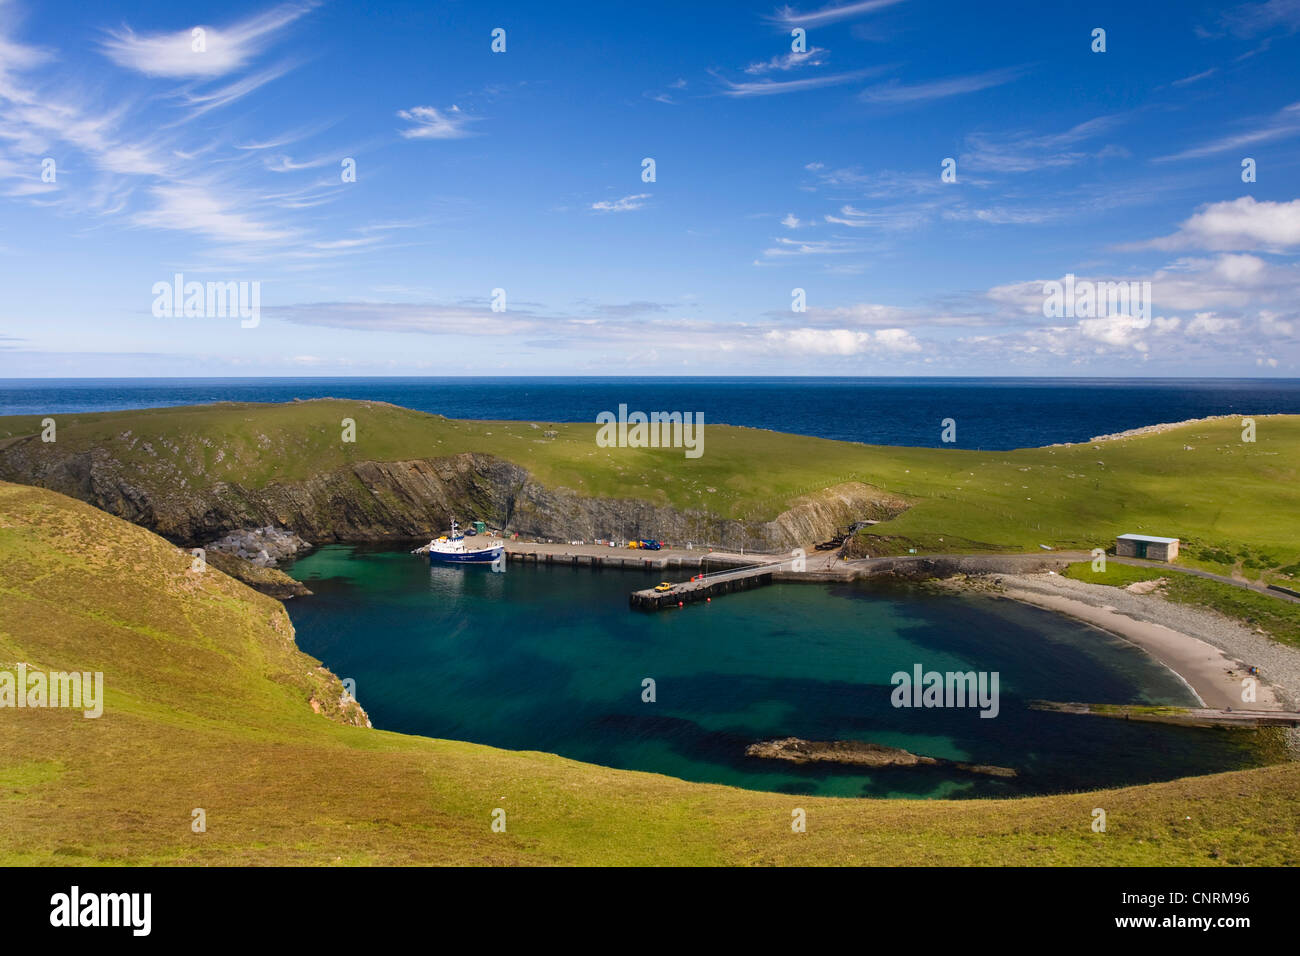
(679, 603)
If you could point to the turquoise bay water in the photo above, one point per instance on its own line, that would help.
(552, 659)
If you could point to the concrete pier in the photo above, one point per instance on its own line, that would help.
(704, 589)
(725, 571)
(746, 571)
(635, 559)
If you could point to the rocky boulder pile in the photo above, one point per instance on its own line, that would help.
(264, 547)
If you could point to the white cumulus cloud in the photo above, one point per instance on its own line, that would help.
(809, 341)
(1244, 223)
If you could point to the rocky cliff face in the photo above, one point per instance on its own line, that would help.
(398, 500)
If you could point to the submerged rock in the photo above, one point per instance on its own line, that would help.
(860, 753)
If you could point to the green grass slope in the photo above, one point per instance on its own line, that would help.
(1228, 500)
(209, 705)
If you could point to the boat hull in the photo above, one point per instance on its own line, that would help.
(478, 556)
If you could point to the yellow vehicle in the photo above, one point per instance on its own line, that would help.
(663, 586)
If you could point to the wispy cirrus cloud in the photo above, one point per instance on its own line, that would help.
(282, 163)
(817, 56)
(139, 164)
(874, 184)
(625, 310)
(36, 120)
(788, 16)
(1196, 77)
(1021, 152)
(426, 318)
(16, 57)
(1254, 19)
(208, 210)
(428, 122)
(902, 94)
(1002, 215)
(308, 196)
(810, 247)
(285, 139)
(215, 52)
(202, 102)
(1283, 124)
(664, 96)
(894, 217)
(775, 87)
(626, 204)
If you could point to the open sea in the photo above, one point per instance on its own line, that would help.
(992, 413)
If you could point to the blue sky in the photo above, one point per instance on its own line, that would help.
(774, 170)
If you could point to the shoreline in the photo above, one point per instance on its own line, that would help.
(1209, 652)
(1201, 667)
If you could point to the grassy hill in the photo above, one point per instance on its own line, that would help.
(1235, 505)
(210, 705)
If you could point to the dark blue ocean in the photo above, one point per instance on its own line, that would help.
(993, 413)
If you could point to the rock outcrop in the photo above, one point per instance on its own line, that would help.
(858, 753)
(264, 547)
(268, 580)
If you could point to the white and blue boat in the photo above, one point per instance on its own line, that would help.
(451, 549)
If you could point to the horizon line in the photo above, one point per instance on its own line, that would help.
(644, 378)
